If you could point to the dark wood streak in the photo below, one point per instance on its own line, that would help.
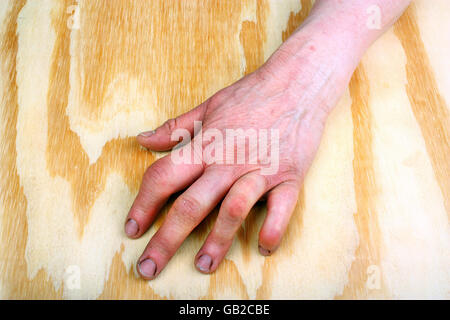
(65, 155)
(367, 254)
(14, 229)
(429, 107)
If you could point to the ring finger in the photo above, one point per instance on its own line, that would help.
(235, 208)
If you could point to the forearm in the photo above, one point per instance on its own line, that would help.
(330, 43)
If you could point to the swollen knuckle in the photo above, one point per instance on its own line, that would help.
(156, 173)
(187, 209)
(236, 208)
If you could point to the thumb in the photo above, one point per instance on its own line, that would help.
(160, 138)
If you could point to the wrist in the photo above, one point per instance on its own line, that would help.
(313, 63)
(328, 36)
(341, 29)
(326, 49)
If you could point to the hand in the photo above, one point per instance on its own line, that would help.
(264, 100)
(288, 98)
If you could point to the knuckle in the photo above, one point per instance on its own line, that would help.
(255, 182)
(156, 173)
(221, 240)
(187, 209)
(162, 245)
(236, 208)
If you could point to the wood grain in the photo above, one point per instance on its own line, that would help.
(371, 220)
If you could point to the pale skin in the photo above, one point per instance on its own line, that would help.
(293, 92)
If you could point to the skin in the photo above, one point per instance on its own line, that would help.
(293, 92)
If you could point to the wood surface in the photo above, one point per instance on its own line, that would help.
(78, 81)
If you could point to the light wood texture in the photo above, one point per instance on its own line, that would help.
(371, 221)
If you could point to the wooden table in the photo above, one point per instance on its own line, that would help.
(80, 79)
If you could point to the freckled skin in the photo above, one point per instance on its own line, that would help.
(293, 93)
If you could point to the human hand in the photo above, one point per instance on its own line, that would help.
(292, 116)
(287, 100)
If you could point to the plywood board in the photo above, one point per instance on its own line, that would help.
(80, 79)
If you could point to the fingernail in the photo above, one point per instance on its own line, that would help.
(263, 251)
(204, 263)
(147, 133)
(131, 228)
(147, 268)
